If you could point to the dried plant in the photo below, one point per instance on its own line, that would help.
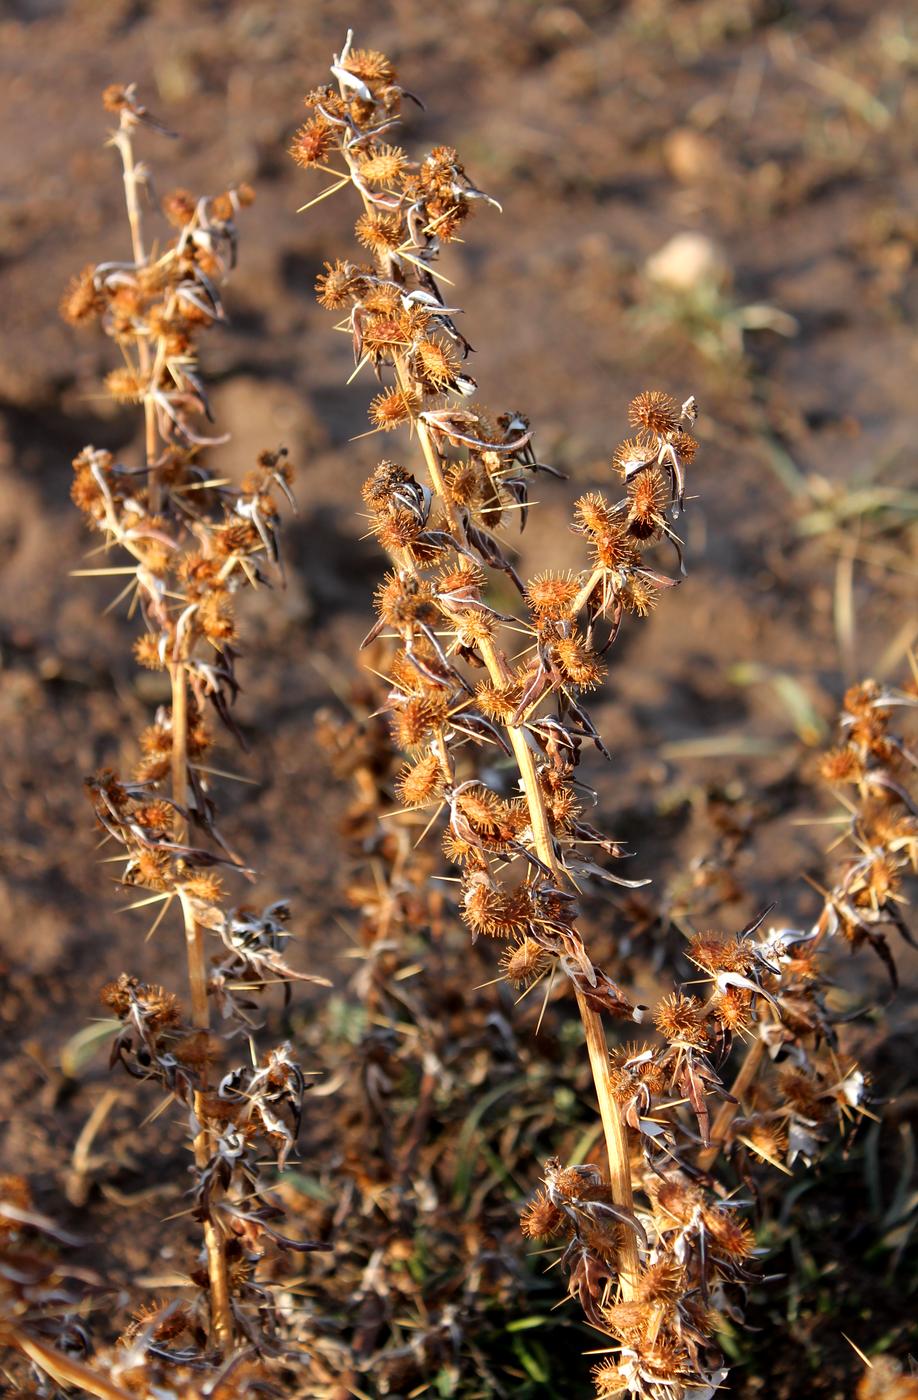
(193, 542)
(478, 737)
(658, 1254)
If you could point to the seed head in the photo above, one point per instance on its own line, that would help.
(561, 800)
(483, 809)
(147, 652)
(158, 1006)
(802, 1091)
(313, 142)
(882, 881)
(370, 65)
(685, 445)
(403, 599)
(680, 1020)
(435, 365)
(393, 407)
(628, 1322)
(860, 701)
(397, 530)
(384, 166)
(462, 853)
(179, 207)
(661, 1281)
(418, 718)
(466, 482)
(462, 581)
(473, 626)
(609, 1380)
(614, 549)
(340, 283)
(733, 1008)
(405, 670)
(125, 385)
(204, 885)
(114, 97)
(82, 301)
(500, 702)
(385, 335)
(593, 514)
(767, 1140)
(541, 1220)
(714, 954)
(381, 233)
(325, 96)
(224, 206)
(578, 663)
(378, 489)
(733, 1238)
(631, 1071)
(551, 595)
(497, 911)
(524, 963)
(420, 783)
(648, 496)
(382, 299)
(675, 1202)
(155, 817)
(635, 452)
(843, 765)
(639, 596)
(151, 870)
(445, 215)
(655, 412)
(161, 1320)
(217, 618)
(195, 1051)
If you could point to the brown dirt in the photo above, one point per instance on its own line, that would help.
(783, 133)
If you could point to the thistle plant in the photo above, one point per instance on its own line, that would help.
(657, 1252)
(193, 541)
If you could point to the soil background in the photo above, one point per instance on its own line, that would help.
(783, 137)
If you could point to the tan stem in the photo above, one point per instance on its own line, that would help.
(614, 1129)
(221, 1311)
(125, 144)
(741, 1085)
(64, 1370)
(582, 597)
(616, 1135)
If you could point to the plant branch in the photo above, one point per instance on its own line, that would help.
(123, 140)
(64, 1370)
(746, 1077)
(221, 1311)
(614, 1129)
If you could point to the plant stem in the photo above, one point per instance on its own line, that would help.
(126, 149)
(613, 1127)
(616, 1136)
(581, 600)
(728, 1111)
(221, 1312)
(125, 144)
(63, 1369)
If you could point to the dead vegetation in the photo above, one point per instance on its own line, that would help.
(485, 698)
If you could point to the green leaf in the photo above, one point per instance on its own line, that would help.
(80, 1048)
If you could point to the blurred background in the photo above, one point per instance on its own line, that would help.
(717, 197)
